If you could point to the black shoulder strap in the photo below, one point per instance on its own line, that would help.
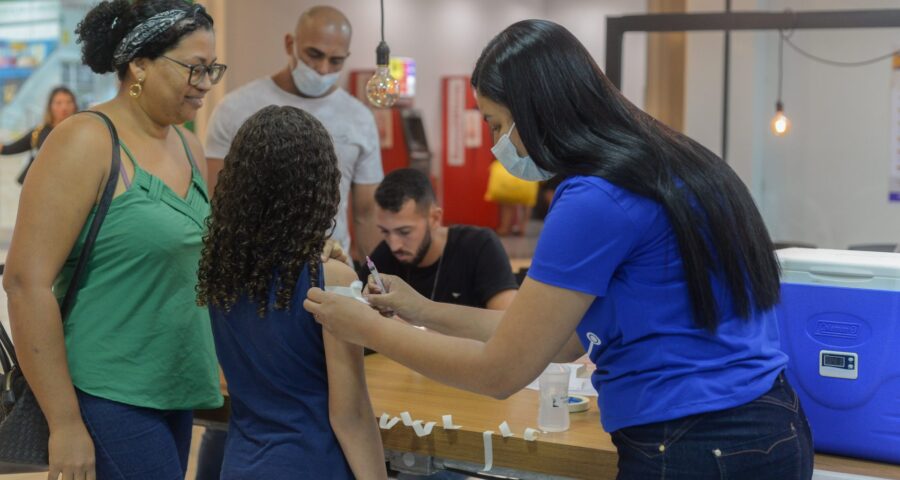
(102, 209)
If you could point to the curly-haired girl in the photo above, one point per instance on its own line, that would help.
(300, 407)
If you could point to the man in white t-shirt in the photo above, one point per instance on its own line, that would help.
(316, 53)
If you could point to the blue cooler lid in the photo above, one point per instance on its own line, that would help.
(840, 268)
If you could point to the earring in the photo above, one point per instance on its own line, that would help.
(136, 88)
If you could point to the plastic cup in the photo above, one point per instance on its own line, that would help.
(553, 412)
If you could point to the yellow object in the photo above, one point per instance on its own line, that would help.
(503, 187)
(136, 89)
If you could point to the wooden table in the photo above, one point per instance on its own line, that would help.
(584, 451)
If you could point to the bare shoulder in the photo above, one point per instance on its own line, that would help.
(338, 273)
(80, 138)
(77, 149)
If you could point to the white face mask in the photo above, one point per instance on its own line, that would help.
(310, 82)
(521, 167)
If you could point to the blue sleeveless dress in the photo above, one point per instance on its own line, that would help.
(275, 367)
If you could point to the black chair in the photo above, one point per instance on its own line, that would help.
(874, 247)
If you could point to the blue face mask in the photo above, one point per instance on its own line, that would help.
(521, 167)
(310, 82)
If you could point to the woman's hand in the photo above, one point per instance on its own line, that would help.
(71, 453)
(347, 319)
(402, 299)
(333, 250)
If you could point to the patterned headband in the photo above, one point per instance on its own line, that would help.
(146, 31)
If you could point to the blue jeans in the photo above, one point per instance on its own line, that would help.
(134, 442)
(767, 438)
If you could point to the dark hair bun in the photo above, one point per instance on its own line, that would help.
(100, 32)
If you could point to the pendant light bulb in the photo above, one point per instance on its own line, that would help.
(780, 124)
(382, 89)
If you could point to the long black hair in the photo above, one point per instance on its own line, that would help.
(573, 121)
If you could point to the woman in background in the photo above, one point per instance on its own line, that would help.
(61, 104)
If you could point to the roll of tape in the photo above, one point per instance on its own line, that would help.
(578, 403)
(530, 435)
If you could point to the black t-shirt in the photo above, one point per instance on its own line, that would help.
(473, 268)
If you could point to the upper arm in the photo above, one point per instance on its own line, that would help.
(571, 351)
(501, 301)
(364, 197)
(344, 361)
(62, 186)
(368, 169)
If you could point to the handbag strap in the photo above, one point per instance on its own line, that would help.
(93, 231)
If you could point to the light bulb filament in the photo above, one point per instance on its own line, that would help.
(780, 123)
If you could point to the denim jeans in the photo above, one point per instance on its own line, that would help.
(768, 438)
(134, 442)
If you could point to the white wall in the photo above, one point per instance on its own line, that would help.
(444, 36)
(586, 19)
(827, 181)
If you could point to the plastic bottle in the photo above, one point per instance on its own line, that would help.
(553, 412)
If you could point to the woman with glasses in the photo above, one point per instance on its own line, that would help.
(119, 380)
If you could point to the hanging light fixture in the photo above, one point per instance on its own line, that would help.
(780, 123)
(382, 89)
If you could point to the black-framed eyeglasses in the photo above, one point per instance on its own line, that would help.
(215, 71)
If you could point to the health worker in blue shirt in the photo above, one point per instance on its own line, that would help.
(654, 259)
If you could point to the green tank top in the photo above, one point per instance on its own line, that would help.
(135, 333)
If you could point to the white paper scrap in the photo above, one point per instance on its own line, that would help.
(407, 420)
(448, 423)
(488, 451)
(386, 422)
(423, 430)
